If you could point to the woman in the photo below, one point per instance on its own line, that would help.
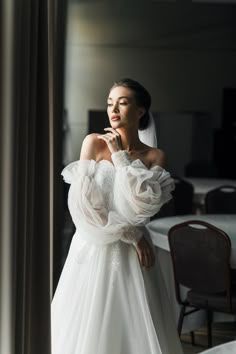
(111, 297)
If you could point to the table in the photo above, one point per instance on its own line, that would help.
(203, 185)
(158, 230)
(227, 348)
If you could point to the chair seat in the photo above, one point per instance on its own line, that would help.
(217, 302)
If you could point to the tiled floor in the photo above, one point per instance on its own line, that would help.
(222, 332)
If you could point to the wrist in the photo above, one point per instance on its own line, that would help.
(131, 234)
(121, 158)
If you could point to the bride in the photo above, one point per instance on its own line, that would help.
(111, 297)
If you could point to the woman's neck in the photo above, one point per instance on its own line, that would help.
(130, 139)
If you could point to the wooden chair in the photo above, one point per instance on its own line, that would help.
(200, 256)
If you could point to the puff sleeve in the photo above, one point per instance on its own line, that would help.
(89, 210)
(139, 192)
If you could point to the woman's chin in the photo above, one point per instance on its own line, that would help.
(116, 124)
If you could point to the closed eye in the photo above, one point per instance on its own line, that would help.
(120, 103)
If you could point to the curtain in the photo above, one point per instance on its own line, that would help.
(31, 102)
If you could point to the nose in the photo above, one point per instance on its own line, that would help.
(115, 107)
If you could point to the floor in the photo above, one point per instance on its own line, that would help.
(222, 332)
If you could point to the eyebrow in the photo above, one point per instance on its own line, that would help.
(109, 98)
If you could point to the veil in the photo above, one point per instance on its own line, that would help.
(148, 136)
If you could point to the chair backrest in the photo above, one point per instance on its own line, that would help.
(200, 255)
(221, 200)
(183, 196)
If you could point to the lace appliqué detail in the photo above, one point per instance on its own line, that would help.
(105, 180)
(115, 255)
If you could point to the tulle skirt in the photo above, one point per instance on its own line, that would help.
(105, 303)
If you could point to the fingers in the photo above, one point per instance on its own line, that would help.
(146, 254)
(112, 139)
(140, 257)
(109, 138)
(112, 133)
(145, 260)
(149, 259)
(112, 130)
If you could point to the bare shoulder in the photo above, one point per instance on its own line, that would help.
(157, 157)
(90, 147)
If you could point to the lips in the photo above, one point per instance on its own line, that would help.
(115, 118)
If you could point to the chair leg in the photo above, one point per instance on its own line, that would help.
(192, 337)
(181, 319)
(209, 327)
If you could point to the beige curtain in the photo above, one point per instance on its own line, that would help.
(30, 154)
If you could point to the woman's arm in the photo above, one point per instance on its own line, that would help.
(89, 147)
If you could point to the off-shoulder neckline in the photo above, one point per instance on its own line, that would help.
(109, 162)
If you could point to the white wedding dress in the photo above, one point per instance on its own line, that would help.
(105, 302)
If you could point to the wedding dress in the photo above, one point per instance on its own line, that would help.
(105, 301)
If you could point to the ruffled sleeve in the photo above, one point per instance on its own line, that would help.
(139, 192)
(77, 169)
(88, 207)
(85, 198)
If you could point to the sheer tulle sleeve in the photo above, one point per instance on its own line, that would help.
(88, 208)
(85, 198)
(139, 193)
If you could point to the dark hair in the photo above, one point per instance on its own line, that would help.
(142, 97)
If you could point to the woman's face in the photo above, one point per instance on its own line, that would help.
(122, 108)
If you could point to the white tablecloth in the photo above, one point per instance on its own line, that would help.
(227, 348)
(203, 185)
(158, 230)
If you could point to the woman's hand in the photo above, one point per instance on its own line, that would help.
(112, 139)
(145, 253)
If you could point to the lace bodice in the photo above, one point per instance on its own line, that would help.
(108, 201)
(105, 180)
